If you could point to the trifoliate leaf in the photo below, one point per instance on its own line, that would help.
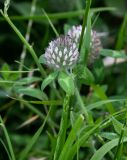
(42, 59)
(5, 74)
(48, 80)
(98, 70)
(84, 75)
(32, 92)
(113, 53)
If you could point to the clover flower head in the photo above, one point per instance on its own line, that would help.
(62, 53)
(95, 45)
(75, 33)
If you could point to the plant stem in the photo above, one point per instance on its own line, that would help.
(63, 127)
(120, 143)
(80, 101)
(7, 139)
(30, 49)
(72, 136)
(62, 15)
(121, 34)
(27, 36)
(51, 24)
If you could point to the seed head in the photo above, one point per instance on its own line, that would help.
(95, 45)
(61, 53)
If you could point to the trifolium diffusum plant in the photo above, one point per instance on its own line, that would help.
(62, 54)
(61, 57)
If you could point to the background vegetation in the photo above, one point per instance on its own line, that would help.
(30, 122)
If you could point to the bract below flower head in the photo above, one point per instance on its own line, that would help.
(61, 53)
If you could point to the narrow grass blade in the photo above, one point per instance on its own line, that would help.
(48, 102)
(19, 71)
(121, 35)
(61, 15)
(63, 128)
(6, 149)
(71, 137)
(99, 91)
(88, 3)
(34, 139)
(10, 147)
(87, 39)
(27, 35)
(102, 103)
(120, 143)
(72, 152)
(101, 152)
(41, 115)
(50, 22)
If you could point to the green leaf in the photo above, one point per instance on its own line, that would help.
(48, 80)
(28, 80)
(87, 38)
(113, 53)
(84, 75)
(4, 146)
(44, 102)
(72, 136)
(52, 140)
(61, 137)
(5, 75)
(9, 74)
(33, 92)
(121, 35)
(102, 103)
(66, 82)
(98, 70)
(42, 59)
(109, 135)
(7, 137)
(118, 126)
(82, 140)
(61, 15)
(101, 152)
